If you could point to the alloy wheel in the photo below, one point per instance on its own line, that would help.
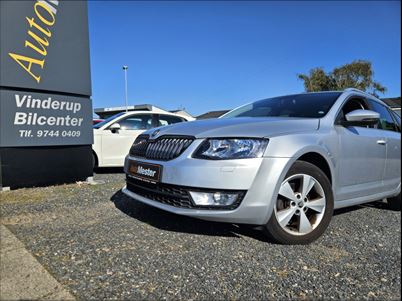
(301, 204)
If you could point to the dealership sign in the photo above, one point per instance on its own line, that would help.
(45, 45)
(44, 76)
(32, 119)
(38, 35)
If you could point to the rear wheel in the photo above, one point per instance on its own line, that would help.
(304, 206)
(94, 161)
(395, 203)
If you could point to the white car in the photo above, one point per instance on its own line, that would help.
(114, 136)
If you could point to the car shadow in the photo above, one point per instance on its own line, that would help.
(376, 204)
(164, 220)
(106, 170)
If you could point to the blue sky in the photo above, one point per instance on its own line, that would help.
(218, 55)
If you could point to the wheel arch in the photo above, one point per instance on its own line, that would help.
(320, 161)
(311, 155)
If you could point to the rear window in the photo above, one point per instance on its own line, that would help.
(169, 119)
(106, 121)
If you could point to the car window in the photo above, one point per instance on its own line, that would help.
(107, 120)
(397, 118)
(386, 121)
(168, 119)
(397, 115)
(352, 104)
(136, 122)
(314, 105)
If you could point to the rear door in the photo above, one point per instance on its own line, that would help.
(390, 130)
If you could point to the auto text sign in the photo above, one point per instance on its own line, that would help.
(45, 46)
(33, 119)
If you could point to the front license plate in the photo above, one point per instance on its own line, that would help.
(145, 171)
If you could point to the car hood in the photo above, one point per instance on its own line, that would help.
(239, 127)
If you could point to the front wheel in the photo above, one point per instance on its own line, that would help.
(304, 206)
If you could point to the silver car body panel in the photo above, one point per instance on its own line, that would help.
(260, 181)
(241, 127)
(361, 168)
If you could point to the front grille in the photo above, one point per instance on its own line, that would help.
(164, 148)
(173, 195)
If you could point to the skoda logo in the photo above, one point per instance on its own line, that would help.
(153, 135)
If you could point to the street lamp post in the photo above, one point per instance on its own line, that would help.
(125, 68)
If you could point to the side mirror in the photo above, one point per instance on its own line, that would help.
(115, 127)
(361, 118)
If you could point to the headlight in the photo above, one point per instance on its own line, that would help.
(221, 149)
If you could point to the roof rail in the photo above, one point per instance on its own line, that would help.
(354, 89)
(363, 92)
(141, 107)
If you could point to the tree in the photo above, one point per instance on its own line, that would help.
(317, 80)
(358, 74)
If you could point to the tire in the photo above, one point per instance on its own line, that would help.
(94, 161)
(395, 203)
(288, 223)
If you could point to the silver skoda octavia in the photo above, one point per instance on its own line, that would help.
(284, 163)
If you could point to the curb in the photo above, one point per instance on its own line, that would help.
(22, 276)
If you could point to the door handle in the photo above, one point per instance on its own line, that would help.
(382, 142)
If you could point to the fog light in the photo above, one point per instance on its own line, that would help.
(213, 198)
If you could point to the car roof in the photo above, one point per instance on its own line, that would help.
(133, 113)
(150, 112)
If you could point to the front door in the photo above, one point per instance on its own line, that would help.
(362, 154)
(116, 144)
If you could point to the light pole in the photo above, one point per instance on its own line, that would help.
(125, 68)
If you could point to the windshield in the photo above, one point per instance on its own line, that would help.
(314, 105)
(100, 124)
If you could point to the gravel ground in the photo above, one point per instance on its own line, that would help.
(102, 245)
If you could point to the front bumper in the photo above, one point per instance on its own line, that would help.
(179, 196)
(258, 177)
